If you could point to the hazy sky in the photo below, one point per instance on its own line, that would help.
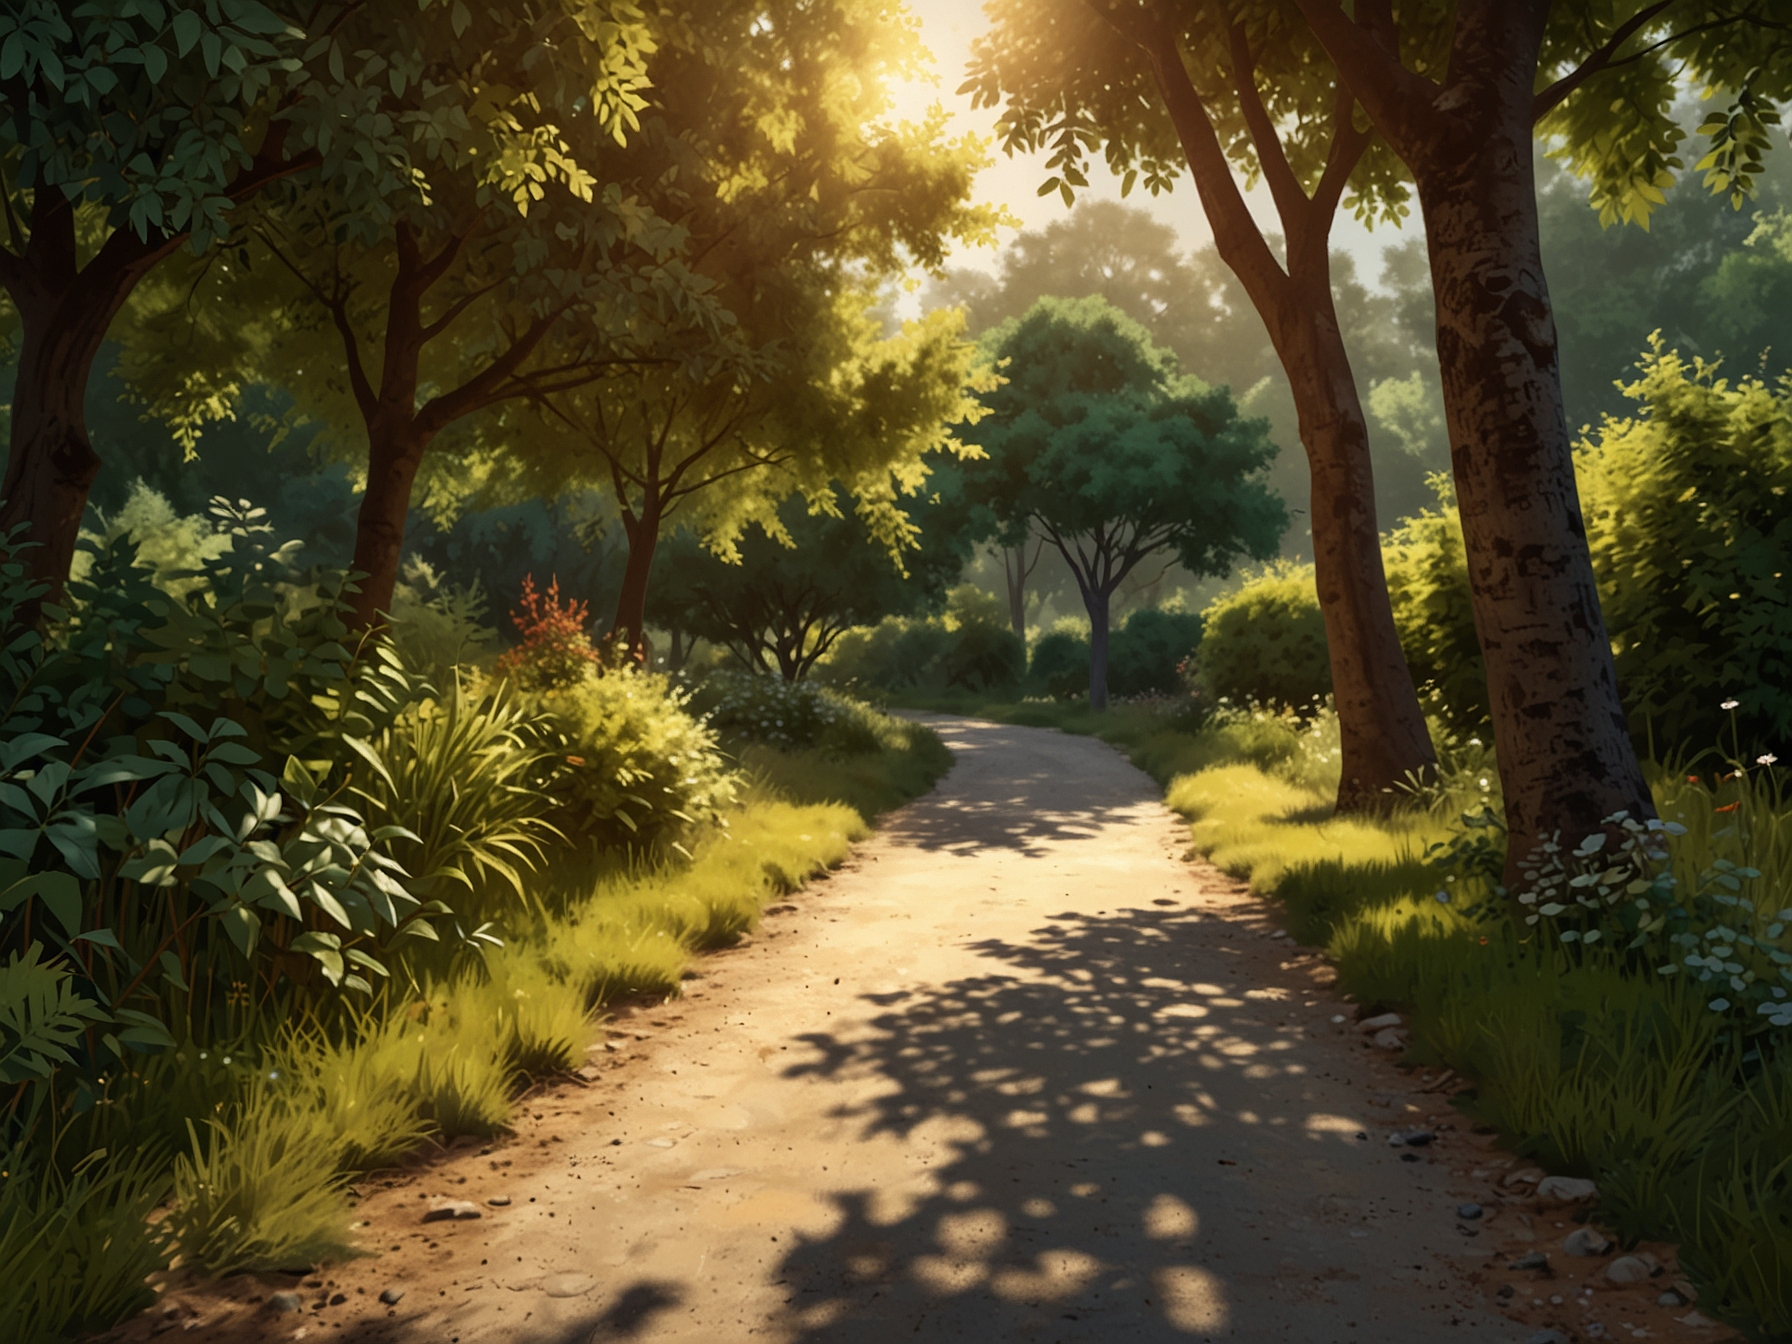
(948, 28)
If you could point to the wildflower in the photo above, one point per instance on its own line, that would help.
(1767, 758)
(1728, 807)
(1729, 704)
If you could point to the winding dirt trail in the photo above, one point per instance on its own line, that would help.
(1017, 1072)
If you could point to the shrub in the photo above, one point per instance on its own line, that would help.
(1427, 570)
(970, 646)
(437, 626)
(1690, 526)
(751, 708)
(634, 769)
(1147, 654)
(1060, 663)
(556, 652)
(1265, 642)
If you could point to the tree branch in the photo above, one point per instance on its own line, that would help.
(1284, 187)
(1391, 94)
(1598, 59)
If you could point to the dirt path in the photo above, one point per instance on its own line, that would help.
(1018, 1072)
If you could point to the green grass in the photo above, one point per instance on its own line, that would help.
(1584, 1063)
(257, 1140)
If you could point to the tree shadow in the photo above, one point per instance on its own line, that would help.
(998, 807)
(1106, 1119)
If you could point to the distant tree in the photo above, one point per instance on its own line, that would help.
(770, 143)
(1223, 91)
(796, 587)
(1101, 445)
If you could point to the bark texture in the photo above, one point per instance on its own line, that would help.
(1385, 743)
(1096, 603)
(1566, 760)
(643, 532)
(64, 312)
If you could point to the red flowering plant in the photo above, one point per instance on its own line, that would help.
(556, 651)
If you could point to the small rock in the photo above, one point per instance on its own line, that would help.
(499, 1201)
(1565, 1190)
(1468, 1212)
(1628, 1269)
(1524, 1176)
(1394, 1038)
(1595, 1329)
(1409, 1157)
(1685, 1289)
(1506, 1292)
(1370, 1025)
(1696, 1319)
(1531, 1260)
(337, 1299)
(1670, 1299)
(450, 1210)
(589, 1072)
(611, 1046)
(1585, 1241)
(1410, 1138)
(284, 1302)
(1546, 1337)
(392, 1296)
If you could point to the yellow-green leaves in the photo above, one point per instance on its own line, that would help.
(1739, 140)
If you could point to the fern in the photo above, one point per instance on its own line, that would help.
(40, 1016)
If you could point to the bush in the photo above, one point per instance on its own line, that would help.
(1060, 663)
(439, 627)
(969, 647)
(634, 770)
(556, 652)
(1146, 656)
(1427, 571)
(1690, 526)
(1265, 642)
(753, 708)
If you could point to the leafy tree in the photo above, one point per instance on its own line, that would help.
(1098, 442)
(1458, 91)
(1240, 86)
(126, 131)
(769, 143)
(799, 585)
(460, 275)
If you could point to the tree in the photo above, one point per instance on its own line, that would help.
(397, 322)
(1099, 442)
(1458, 91)
(1213, 87)
(796, 587)
(126, 131)
(769, 144)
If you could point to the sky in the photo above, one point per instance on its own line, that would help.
(948, 27)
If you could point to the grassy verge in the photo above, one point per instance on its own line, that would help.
(1587, 1062)
(251, 1150)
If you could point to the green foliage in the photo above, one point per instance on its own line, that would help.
(744, 707)
(1691, 532)
(460, 780)
(798, 583)
(1147, 656)
(1427, 573)
(438, 626)
(634, 769)
(1265, 642)
(969, 646)
(1060, 663)
(1096, 442)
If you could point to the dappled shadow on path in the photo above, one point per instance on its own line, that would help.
(992, 800)
(1109, 1121)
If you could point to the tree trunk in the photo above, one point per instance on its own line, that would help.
(1383, 738)
(1384, 741)
(631, 604)
(1566, 760)
(51, 466)
(1095, 601)
(64, 313)
(394, 453)
(1014, 569)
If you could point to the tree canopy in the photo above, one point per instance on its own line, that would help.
(1100, 444)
